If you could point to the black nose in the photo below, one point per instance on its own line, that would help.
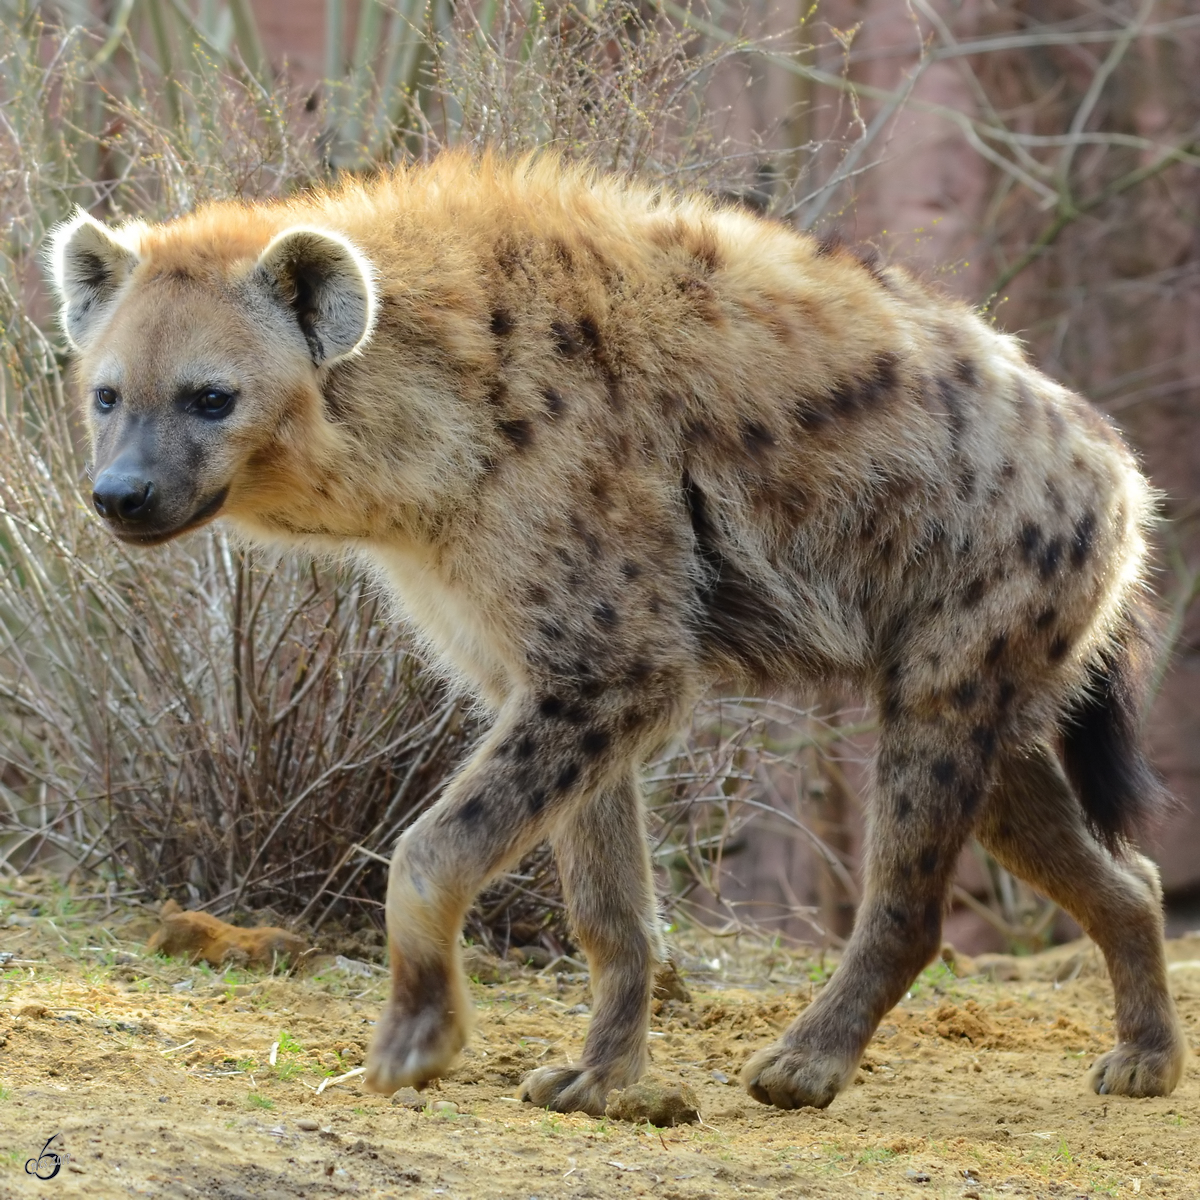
(122, 497)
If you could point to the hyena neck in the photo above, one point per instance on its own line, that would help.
(326, 490)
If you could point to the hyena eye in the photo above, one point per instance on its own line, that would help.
(106, 398)
(213, 403)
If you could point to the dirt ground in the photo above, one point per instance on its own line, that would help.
(157, 1078)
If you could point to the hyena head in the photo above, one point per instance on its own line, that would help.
(199, 349)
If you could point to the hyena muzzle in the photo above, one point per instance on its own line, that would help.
(611, 448)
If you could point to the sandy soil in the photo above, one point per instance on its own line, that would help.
(156, 1076)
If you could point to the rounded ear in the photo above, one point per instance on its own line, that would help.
(326, 285)
(88, 263)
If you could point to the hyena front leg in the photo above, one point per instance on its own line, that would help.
(1034, 826)
(604, 863)
(930, 778)
(530, 770)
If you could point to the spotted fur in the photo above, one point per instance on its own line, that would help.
(610, 448)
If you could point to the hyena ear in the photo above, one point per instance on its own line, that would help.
(327, 286)
(89, 262)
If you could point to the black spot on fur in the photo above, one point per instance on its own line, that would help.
(630, 569)
(594, 742)
(965, 693)
(897, 916)
(1059, 648)
(590, 541)
(605, 614)
(998, 643)
(943, 771)
(975, 592)
(965, 372)
(567, 776)
(519, 432)
(1045, 618)
(639, 672)
(812, 413)
(502, 323)
(565, 341)
(1051, 557)
(903, 807)
(590, 331)
(970, 799)
(550, 706)
(966, 484)
(525, 747)
(927, 863)
(1082, 539)
(984, 737)
(554, 401)
(952, 405)
(1005, 694)
(537, 801)
(1031, 539)
(498, 394)
(756, 438)
(851, 396)
(472, 810)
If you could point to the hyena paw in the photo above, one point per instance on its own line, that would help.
(567, 1089)
(411, 1048)
(1131, 1070)
(795, 1076)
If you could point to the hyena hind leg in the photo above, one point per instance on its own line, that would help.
(1034, 826)
(929, 781)
(604, 863)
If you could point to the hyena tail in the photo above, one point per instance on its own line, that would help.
(1120, 794)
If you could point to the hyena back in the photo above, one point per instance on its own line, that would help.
(611, 448)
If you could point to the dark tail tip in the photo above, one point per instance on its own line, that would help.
(1119, 791)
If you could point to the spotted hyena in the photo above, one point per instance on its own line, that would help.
(612, 447)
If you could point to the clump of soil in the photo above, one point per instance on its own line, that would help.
(655, 1102)
(162, 1078)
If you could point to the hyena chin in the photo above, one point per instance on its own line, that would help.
(611, 447)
